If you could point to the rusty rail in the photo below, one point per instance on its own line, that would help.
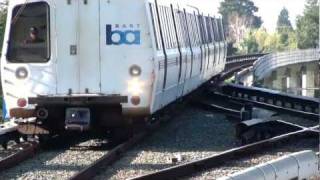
(28, 151)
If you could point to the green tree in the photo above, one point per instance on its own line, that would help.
(308, 26)
(284, 21)
(259, 40)
(239, 16)
(284, 29)
(249, 44)
(3, 17)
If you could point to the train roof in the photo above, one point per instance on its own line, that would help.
(178, 4)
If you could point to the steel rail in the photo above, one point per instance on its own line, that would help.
(108, 159)
(235, 63)
(28, 151)
(219, 159)
(233, 112)
(113, 155)
(231, 59)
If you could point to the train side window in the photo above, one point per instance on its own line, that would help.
(194, 30)
(220, 29)
(184, 28)
(217, 35)
(163, 26)
(29, 40)
(201, 30)
(181, 28)
(205, 29)
(209, 29)
(155, 26)
(214, 38)
(167, 26)
(198, 29)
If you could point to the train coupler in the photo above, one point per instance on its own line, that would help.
(77, 119)
(31, 126)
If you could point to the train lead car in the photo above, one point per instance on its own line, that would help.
(96, 64)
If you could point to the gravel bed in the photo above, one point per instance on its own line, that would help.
(193, 135)
(55, 164)
(244, 163)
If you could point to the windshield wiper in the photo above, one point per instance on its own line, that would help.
(20, 11)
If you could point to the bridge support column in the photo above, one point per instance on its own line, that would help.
(312, 72)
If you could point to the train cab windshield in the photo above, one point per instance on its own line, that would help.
(29, 34)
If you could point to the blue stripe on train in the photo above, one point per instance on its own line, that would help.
(4, 110)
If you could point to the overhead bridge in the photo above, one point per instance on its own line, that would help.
(270, 62)
(295, 72)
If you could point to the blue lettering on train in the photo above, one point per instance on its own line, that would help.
(122, 36)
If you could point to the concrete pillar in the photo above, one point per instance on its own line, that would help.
(286, 80)
(294, 79)
(303, 74)
(311, 69)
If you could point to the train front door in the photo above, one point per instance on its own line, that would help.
(78, 50)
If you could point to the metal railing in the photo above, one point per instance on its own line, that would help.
(266, 64)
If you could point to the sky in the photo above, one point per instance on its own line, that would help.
(268, 9)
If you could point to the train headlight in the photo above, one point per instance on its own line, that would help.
(21, 73)
(135, 87)
(135, 70)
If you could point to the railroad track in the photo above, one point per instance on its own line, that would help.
(106, 160)
(232, 101)
(193, 167)
(26, 150)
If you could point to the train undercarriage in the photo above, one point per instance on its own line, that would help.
(95, 115)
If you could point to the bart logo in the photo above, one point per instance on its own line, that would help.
(118, 37)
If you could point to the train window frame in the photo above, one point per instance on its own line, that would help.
(47, 42)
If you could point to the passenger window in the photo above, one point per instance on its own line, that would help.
(29, 34)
